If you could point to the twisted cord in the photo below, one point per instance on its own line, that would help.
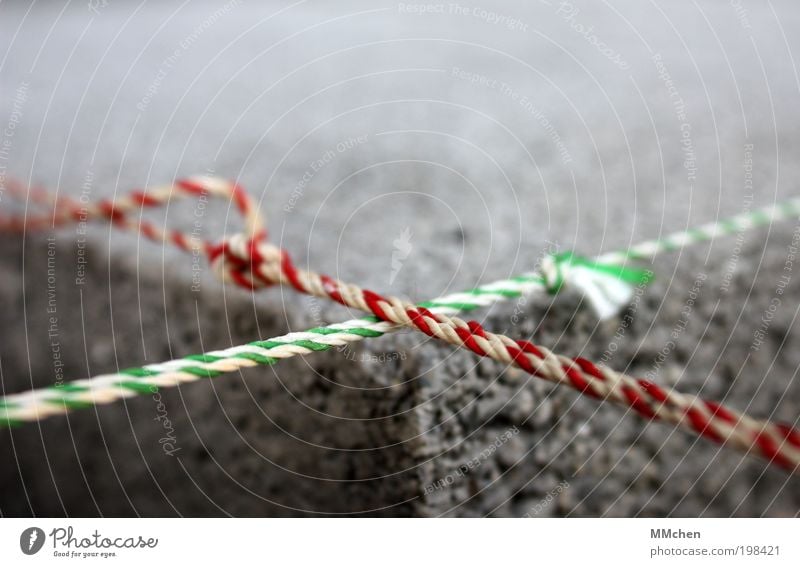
(249, 261)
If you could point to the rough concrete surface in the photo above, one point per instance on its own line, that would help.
(478, 140)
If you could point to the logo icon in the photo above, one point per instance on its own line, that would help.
(31, 540)
(401, 249)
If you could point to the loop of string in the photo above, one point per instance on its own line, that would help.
(250, 261)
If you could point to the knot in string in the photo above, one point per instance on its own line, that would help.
(608, 287)
(249, 262)
(245, 259)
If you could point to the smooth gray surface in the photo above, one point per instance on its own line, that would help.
(482, 182)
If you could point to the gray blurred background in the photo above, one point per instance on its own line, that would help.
(477, 135)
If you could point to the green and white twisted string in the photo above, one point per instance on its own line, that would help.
(739, 223)
(606, 281)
